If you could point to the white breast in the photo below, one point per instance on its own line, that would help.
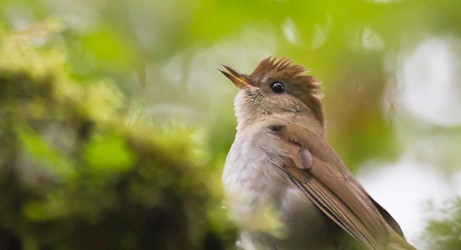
(271, 211)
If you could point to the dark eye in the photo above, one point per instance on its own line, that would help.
(278, 87)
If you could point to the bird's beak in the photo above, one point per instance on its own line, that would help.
(241, 81)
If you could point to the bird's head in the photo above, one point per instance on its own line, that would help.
(275, 88)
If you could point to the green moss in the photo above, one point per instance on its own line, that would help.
(76, 171)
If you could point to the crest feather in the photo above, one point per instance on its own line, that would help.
(308, 88)
(272, 64)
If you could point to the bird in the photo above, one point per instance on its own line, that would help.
(285, 186)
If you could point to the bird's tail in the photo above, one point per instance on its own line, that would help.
(397, 242)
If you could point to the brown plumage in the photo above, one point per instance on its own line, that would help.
(307, 88)
(281, 159)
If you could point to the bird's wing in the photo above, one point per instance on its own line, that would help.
(337, 194)
(389, 219)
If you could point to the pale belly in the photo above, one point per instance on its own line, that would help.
(271, 212)
(293, 223)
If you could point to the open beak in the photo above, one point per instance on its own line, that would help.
(241, 81)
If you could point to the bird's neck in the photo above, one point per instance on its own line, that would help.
(248, 110)
(251, 109)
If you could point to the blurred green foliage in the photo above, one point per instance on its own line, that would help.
(444, 230)
(76, 171)
(114, 121)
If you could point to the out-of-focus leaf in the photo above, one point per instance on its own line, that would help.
(107, 46)
(45, 156)
(444, 231)
(109, 154)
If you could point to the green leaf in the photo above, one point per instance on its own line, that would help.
(109, 154)
(44, 154)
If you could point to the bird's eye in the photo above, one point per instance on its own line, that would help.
(278, 87)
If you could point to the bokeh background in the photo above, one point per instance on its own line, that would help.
(115, 122)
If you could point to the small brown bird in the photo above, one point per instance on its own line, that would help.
(286, 187)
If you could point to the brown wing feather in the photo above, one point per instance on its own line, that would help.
(389, 219)
(338, 196)
(336, 208)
